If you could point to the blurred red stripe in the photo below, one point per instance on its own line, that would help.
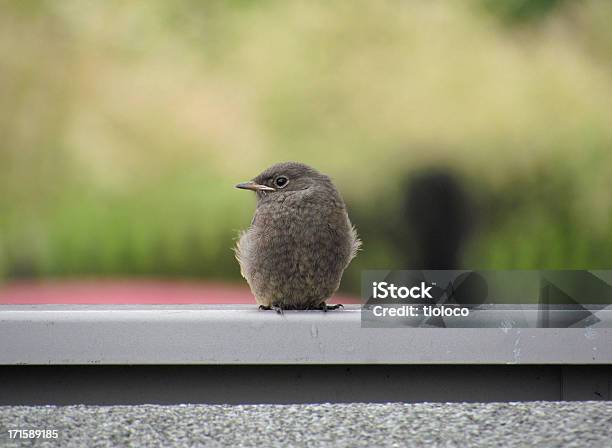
(131, 292)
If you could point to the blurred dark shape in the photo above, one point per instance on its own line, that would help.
(22, 268)
(469, 289)
(521, 11)
(439, 217)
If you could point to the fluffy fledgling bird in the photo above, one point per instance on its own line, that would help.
(300, 240)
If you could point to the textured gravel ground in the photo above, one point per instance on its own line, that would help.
(368, 425)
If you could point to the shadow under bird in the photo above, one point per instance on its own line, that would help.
(300, 240)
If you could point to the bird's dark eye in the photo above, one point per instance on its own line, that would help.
(281, 181)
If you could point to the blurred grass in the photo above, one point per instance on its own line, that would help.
(124, 126)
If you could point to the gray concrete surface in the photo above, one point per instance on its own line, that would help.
(549, 424)
(235, 334)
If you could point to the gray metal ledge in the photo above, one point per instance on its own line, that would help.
(231, 334)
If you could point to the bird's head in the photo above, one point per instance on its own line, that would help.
(287, 177)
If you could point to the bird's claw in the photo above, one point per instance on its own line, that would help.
(276, 308)
(325, 307)
(337, 306)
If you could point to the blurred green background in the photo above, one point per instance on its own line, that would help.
(125, 125)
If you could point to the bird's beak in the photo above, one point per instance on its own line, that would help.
(253, 186)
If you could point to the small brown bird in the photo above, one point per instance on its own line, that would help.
(300, 240)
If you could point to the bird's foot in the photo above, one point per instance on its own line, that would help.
(325, 307)
(276, 308)
(322, 307)
(337, 306)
